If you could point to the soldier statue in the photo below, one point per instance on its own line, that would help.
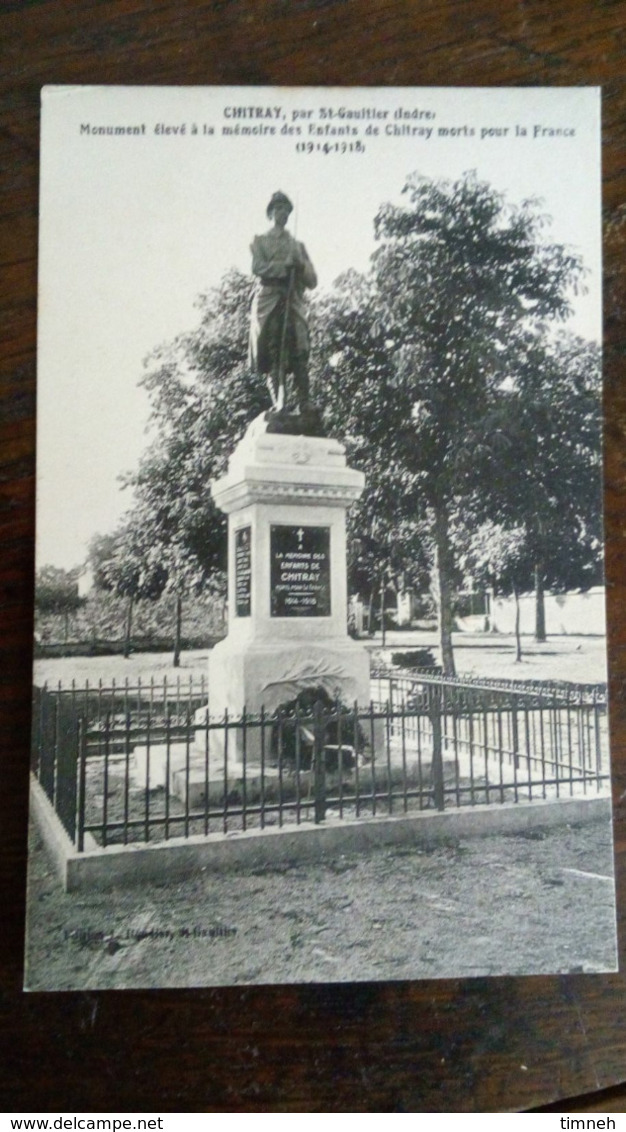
(279, 334)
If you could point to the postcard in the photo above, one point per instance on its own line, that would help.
(320, 685)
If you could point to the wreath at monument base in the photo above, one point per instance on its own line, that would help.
(293, 732)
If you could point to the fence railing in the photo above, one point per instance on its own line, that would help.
(139, 698)
(389, 683)
(144, 763)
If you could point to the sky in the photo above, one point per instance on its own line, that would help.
(136, 223)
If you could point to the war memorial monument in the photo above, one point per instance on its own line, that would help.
(286, 493)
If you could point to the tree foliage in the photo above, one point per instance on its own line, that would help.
(542, 472)
(56, 592)
(203, 397)
(548, 476)
(419, 351)
(123, 563)
(356, 384)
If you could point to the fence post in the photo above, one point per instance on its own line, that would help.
(319, 768)
(55, 748)
(596, 731)
(515, 731)
(435, 707)
(35, 732)
(80, 806)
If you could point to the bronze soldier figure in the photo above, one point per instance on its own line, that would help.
(279, 334)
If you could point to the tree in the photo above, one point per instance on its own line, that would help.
(383, 556)
(499, 556)
(355, 383)
(123, 564)
(203, 397)
(544, 475)
(56, 592)
(185, 578)
(458, 278)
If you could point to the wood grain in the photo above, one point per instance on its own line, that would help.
(427, 1046)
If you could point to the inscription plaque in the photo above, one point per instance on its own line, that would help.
(300, 571)
(243, 572)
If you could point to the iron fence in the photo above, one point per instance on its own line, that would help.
(389, 683)
(143, 763)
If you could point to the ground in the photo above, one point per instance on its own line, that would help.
(536, 903)
(581, 659)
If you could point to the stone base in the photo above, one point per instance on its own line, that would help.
(252, 675)
(193, 788)
(155, 773)
(256, 674)
(307, 423)
(286, 493)
(190, 784)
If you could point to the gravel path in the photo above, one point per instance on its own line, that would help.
(535, 904)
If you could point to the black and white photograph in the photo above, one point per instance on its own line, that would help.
(320, 687)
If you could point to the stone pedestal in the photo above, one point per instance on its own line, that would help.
(286, 498)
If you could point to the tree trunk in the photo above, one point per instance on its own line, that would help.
(370, 613)
(442, 579)
(540, 605)
(382, 609)
(177, 633)
(518, 639)
(128, 627)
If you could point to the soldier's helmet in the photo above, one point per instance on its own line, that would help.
(278, 198)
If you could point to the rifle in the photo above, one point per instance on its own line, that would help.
(282, 356)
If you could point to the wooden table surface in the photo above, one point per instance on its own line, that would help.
(448, 1045)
